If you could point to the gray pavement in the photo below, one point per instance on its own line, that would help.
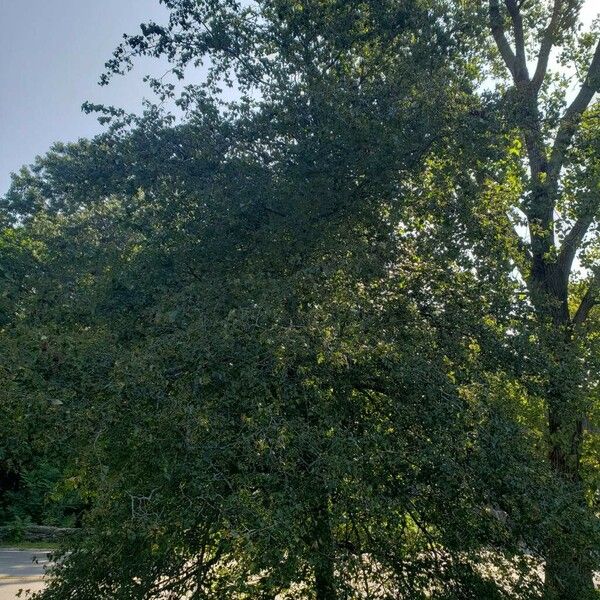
(21, 570)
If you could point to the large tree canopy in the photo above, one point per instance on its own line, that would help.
(298, 344)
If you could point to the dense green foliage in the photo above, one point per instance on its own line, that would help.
(296, 344)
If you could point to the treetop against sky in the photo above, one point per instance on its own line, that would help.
(53, 53)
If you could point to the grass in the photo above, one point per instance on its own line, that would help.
(41, 545)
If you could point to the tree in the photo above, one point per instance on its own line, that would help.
(265, 410)
(559, 202)
(278, 395)
(309, 365)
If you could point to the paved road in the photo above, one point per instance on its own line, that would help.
(21, 569)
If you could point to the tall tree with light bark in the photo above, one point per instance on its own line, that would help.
(560, 206)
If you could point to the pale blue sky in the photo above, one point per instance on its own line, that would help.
(52, 52)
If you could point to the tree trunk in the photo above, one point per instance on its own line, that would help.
(324, 561)
(568, 572)
(566, 576)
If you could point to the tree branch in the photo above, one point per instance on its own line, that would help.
(504, 48)
(589, 300)
(546, 46)
(570, 120)
(273, 211)
(521, 73)
(573, 239)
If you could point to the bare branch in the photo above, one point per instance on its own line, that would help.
(572, 116)
(546, 46)
(504, 48)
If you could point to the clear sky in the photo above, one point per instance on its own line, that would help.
(52, 52)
